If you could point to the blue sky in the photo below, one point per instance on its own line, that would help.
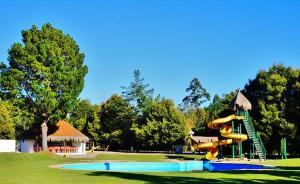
(223, 43)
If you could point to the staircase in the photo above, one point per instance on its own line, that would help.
(253, 135)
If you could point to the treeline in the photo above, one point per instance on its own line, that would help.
(45, 75)
(155, 123)
(275, 97)
(134, 120)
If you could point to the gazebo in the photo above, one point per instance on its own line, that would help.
(67, 140)
(240, 102)
(62, 138)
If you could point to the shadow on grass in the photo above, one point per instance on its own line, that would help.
(171, 179)
(289, 168)
(179, 157)
(286, 172)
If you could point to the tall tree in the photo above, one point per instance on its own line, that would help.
(137, 91)
(292, 110)
(117, 117)
(195, 115)
(85, 117)
(268, 94)
(46, 73)
(197, 95)
(165, 127)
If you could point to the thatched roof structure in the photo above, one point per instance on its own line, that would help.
(198, 139)
(240, 102)
(66, 132)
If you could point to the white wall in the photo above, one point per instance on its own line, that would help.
(7, 145)
(83, 144)
(27, 146)
(80, 147)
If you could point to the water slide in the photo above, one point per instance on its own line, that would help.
(226, 131)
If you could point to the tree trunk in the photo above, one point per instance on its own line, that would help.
(44, 136)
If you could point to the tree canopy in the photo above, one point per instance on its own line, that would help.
(45, 73)
(7, 130)
(117, 117)
(195, 115)
(137, 91)
(165, 126)
(197, 95)
(272, 94)
(85, 117)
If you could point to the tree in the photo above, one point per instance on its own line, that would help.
(292, 110)
(165, 127)
(137, 92)
(197, 95)
(215, 108)
(269, 93)
(85, 117)
(22, 119)
(199, 119)
(195, 115)
(117, 117)
(46, 73)
(7, 130)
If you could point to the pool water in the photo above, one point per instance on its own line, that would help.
(162, 166)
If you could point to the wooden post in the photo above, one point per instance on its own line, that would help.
(44, 136)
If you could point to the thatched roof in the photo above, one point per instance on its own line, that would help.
(240, 102)
(198, 139)
(66, 132)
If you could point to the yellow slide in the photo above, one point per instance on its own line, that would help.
(226, 131)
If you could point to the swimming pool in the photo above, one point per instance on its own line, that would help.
(162, 166)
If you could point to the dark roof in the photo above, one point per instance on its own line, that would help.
(240, 102)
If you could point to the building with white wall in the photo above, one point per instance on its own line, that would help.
(64, 139)
(7, 145)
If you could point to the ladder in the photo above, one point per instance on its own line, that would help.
(253, 135)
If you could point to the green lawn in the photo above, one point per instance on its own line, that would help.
(33, 168)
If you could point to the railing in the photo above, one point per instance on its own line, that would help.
(250, 124)
(262, 145)
(254, 134)
(63, 149)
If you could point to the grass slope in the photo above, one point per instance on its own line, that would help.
(33, 168)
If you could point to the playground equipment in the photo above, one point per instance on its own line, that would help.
(240, 105)
(226, 131)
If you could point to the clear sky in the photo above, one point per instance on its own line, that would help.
(223, 43)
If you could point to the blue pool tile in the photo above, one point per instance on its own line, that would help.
(162, 166)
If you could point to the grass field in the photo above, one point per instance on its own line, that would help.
(33, 168)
